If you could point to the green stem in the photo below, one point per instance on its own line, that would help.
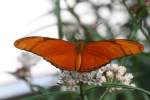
(81, 91)
(103, 95)
(109, 85)
(135, 20)
(59, 21)
(125, 86)
(29, 85)
(71, 10)
(111, 80)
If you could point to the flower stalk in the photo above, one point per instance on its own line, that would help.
(59, 20)
(104, 94)
(81, 91)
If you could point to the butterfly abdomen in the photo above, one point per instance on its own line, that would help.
(79, 48)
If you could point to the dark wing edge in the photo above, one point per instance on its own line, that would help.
(116, 41)
(39, 38)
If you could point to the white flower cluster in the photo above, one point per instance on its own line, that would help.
(111, 73)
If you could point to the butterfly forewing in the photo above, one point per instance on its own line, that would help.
(129, 47)
(60, 53)
(99, 53)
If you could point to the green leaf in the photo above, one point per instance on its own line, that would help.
(55, 96)
(128, 95)
(141, 12)
(126, 87)
(140, 66)
(111, 96)
(146, 97)
(94, 93)
(141, 2)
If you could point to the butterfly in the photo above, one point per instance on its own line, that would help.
(79, 56)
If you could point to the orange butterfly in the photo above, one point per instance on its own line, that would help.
(80, 56)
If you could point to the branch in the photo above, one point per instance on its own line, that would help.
(71, 10)
(135, 20)
(58, 14)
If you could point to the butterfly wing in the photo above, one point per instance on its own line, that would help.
(59, 52)
(99, 53)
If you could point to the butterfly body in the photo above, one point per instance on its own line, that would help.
(80, 56)
(80, 45)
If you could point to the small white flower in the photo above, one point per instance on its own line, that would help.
(133, 85)
(128, 76)
(90, 83)
(121, 70)
(119, 77)
(114, 67)
(103, 79)
(118, 89)
(99, 74)
(127, 82)
(109, 74)
(72, 82)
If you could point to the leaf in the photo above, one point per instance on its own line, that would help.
(111, 96)
(55, 96)
(94, 93)
(141, 12)
(128, 95)
(140, 66)
(126, 87)
(141, 2)
(108, 85)
(146, 97)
